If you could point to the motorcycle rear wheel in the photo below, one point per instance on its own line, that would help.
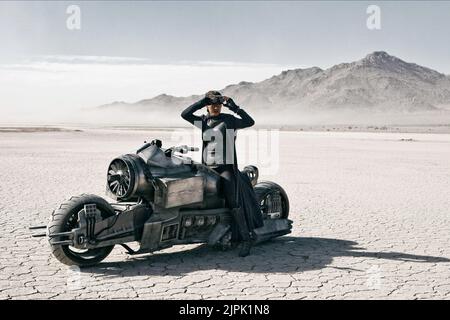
(65, 218)
(264, 189)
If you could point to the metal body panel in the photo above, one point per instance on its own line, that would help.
(175, 192)
(154, 228)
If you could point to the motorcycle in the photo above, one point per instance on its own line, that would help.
(162, 198)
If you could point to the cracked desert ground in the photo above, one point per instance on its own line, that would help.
(371, 219)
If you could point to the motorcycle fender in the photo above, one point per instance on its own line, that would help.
(272, 228)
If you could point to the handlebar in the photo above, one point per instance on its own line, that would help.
(180, 149)
(185, 149)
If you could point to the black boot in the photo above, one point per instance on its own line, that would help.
(242, 228)
(245, 248)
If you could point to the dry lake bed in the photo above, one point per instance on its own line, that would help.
(371, 216)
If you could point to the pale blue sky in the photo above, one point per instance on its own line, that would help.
(130, 51)
(285, 33)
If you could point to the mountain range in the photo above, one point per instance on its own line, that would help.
(378, 84)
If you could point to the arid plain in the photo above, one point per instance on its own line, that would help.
(371, 216)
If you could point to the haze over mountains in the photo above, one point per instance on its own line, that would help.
(379, 88)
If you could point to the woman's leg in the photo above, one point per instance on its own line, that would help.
(229, 190)
(229, 187)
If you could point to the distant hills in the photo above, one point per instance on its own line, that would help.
(377, 85)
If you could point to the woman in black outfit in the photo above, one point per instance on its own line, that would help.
(219, 153)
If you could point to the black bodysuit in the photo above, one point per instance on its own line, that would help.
(218, 133)
(219, 153)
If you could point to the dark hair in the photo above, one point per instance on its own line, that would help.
(214, 96)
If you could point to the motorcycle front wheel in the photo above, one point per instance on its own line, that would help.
(65, 218)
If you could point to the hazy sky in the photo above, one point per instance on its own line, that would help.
(135, 50)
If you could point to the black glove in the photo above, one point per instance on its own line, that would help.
(231, 105)
(205, 101)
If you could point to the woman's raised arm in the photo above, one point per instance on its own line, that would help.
(188, 113)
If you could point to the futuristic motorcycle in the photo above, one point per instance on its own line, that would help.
(163, 198)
